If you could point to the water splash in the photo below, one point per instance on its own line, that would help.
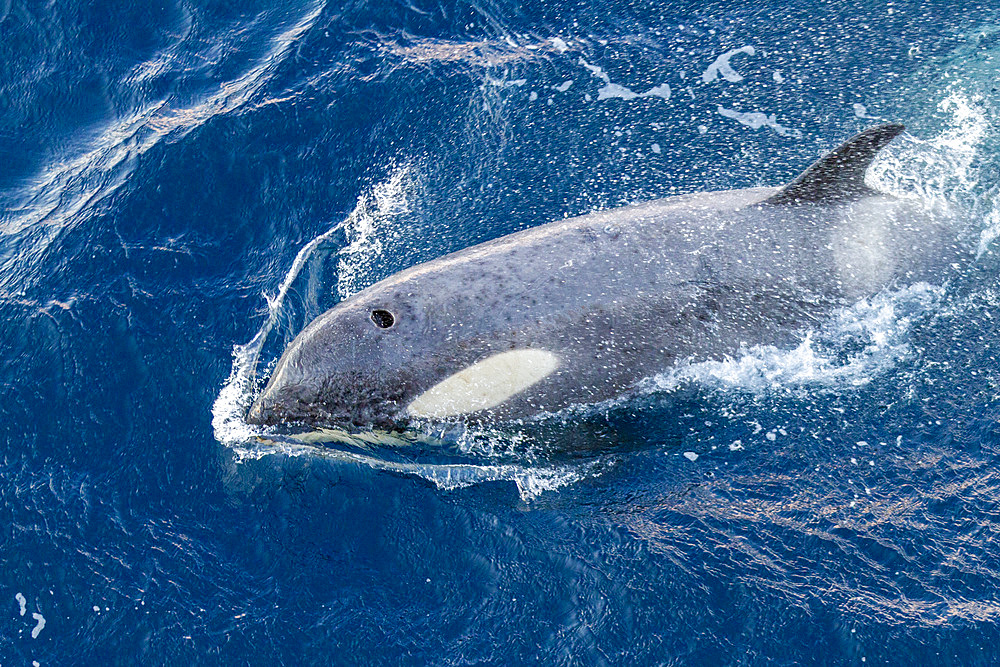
(237, 393)
(941, 168)
(860, 342)
(531, 481)
(371, 226)
(948, 167)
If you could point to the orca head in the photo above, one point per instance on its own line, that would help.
(385, 357)
(351, 366)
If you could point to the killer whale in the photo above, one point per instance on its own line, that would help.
(579, 310)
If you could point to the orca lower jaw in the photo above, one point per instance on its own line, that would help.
(297, 414)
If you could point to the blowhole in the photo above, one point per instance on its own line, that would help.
(383, 319)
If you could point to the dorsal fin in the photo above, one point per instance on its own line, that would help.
(840, 174)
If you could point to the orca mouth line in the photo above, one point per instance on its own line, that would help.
(307, 415)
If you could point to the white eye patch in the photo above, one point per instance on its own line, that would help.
(485, 384)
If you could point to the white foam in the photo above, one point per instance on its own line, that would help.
(875, 330)
(757, 119)
(990, 233)
(662, 91)
(39, 626)
(530, 480)
(22, 603)
(369, 226)
(484, 53)
(879, 327)
(943, 168)
(940, 168)
(861, 111)
(236, 394)
(595, 70)
(721, 66)
(614, 90)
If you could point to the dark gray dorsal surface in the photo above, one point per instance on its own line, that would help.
(840, 174)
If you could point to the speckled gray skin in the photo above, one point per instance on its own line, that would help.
(618, 295)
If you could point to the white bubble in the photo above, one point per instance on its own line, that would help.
(758, 119)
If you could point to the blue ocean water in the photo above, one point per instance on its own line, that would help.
(184, 185)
